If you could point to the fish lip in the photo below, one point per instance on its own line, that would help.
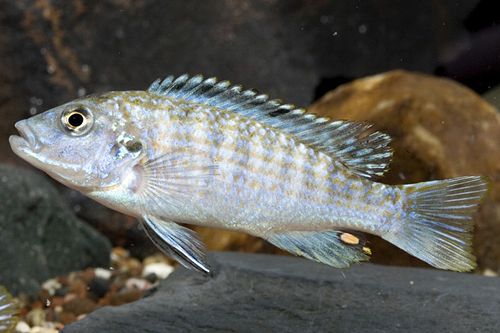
(26, 139)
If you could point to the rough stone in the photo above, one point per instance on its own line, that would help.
(440, 129)
(493, 97)
(40, 237)
(266, 293)
(98, 287)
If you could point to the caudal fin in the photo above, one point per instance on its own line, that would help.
(439, 220)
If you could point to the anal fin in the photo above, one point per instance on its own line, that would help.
(332, 247)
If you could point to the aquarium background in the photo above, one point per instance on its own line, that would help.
(54, 51)
(439, 52)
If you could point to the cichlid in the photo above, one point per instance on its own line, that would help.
(203, 152)
(8, 311)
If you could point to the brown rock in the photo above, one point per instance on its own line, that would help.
(56, 301)
(440, 129)
(87, 275)
(43, 296)
(116, 298)
(67, 317)
(79, 305)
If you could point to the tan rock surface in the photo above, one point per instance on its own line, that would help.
(440, 129)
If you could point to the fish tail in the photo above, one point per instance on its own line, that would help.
(437, 225)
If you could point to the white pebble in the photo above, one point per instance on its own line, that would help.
(161, 270)
(51, 286)
(489, 272)
(35, 317)
(102, 273)
(39, 329)
(137, 284)
(83, 315)
(22, 327)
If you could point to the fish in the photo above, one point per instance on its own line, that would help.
(8, 311)
(190, 150)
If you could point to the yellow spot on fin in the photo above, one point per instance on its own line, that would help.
(331, 247)
(349, 239)
(367, 250)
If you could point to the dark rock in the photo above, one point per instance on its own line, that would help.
(151, 277)
(61, 292)
(40, 237)
(265, 293)
(440, 129)
(98, 287)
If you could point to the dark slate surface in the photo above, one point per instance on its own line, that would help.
(40, 237)
(265, 293)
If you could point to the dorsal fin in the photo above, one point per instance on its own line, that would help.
(366, 156)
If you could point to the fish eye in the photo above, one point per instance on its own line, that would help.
(76, 121)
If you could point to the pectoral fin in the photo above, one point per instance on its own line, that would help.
(332, 247)
(178, 242)
(168, 180)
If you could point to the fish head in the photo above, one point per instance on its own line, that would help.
(83, 144)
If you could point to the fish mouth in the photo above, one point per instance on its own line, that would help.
(26, 143)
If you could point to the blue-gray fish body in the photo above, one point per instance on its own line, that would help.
(206, 153)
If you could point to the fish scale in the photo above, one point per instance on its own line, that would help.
(197, 151)
(273, 199)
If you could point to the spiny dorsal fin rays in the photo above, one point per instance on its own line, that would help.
(366, 156)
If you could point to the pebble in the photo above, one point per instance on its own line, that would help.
(118, 254)
(79, 305)
(151, 277)
(51, 286)
(35, 317)
(490, 272)
(22, 327)
(83, 315)
(124, 297)
(156, 258)
(162, 270)
(60, 293)
(39, 329)
(103, 273)
(132, 266)
(98, 287)
(137, 284)
(66, 299)
(67, 318)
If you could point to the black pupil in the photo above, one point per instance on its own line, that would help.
(75, 120)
